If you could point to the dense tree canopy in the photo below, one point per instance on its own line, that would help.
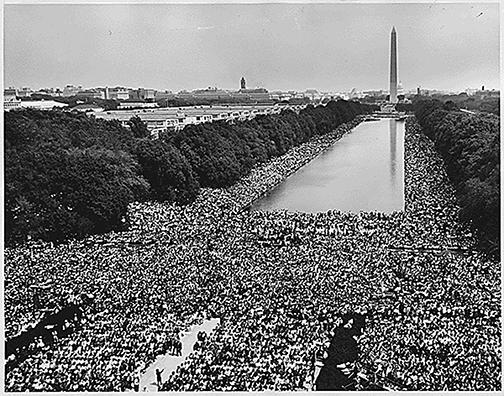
(70, 175)
(476, 103)
(66, 175)
(55, 193)
(220, 153)
(469, 145)
(166, 170)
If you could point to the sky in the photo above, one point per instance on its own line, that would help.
(329, 47)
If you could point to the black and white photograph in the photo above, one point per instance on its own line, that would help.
(251, 196)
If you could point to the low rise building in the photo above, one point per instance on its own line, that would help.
(48, 92)
(133, 105)
(87, 108)
(91, 93)
(12, 104)
(166, 119)
(10, 94)
(71, 90)
(211, 93)
(312, 94)
(160, 95)
(24, 92)
(143, 94)
(117, 93)
(42, 104)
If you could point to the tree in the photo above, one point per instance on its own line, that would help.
(169, 175)
(70, 175)
(469, 145)
(138, 127)
(56, 194)
(67, 175)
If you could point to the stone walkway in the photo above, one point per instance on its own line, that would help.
(169, 363)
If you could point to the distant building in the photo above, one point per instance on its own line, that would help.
(10, 94)
(253, 90)
(132, 105)
(164, 95)
(388, 108)
(48, 92)
(91, 93)
(123, 94)
(87, 108)
(243, 84)
(144, 94)
(166, 119)
(285, 96)
(12, 104)
(133, 94)
(313, 94)
(41, 104)
(211, 93)
(24, 92)
(117, 93)
(147, 94)
(252, 94)
(71, 90)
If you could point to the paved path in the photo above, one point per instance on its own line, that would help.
(169, 363)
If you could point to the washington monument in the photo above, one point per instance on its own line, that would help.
(393, 67)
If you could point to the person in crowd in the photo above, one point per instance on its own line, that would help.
(159, 380)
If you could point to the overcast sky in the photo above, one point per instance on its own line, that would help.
(282, 46)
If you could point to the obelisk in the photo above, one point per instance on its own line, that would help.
(393, 67)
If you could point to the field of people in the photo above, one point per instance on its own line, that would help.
(279, 282)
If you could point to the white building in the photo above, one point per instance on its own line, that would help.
(117, 93)
(131, 105)
(12, 104)
(87, 108)
(171, 118)
(24, 92)
(41, 104)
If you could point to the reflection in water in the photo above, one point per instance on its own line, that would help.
(361, 172)
(393, 149)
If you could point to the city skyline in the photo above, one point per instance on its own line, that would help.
(280, 47)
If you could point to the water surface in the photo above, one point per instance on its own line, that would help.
(363, 171)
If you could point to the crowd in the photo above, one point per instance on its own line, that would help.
(279, 282)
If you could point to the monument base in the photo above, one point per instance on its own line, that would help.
(388, 108)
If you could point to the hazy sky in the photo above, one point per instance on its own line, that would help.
(282, 46)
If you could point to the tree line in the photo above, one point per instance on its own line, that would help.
(69, 175)
(469, 145)
(477, 102)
